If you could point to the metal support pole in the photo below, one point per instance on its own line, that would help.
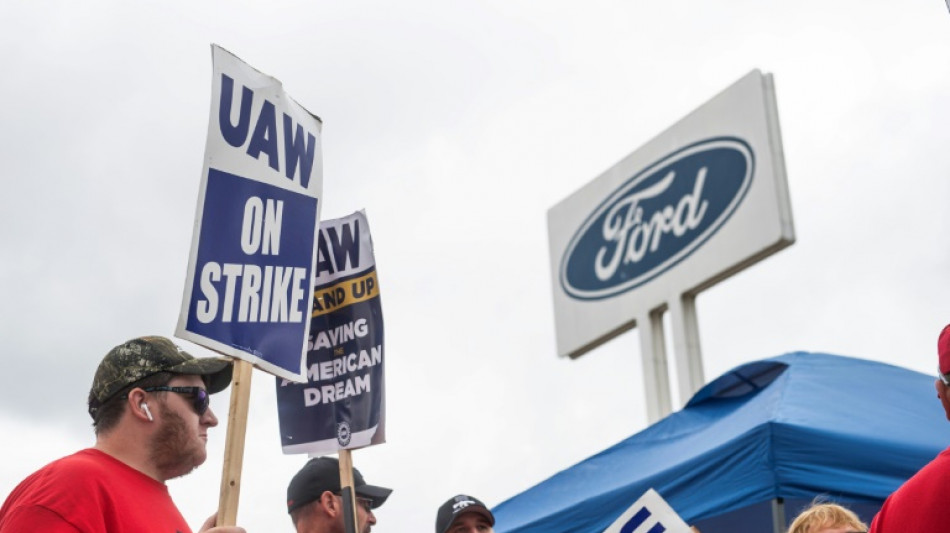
(689, 358)
(656, 377)
(778, 515)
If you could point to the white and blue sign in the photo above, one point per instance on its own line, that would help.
(657, 218)
(696, 204)
(250, 275)
(649, 514)
(342, 404)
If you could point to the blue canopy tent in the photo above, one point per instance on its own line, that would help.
(763, 437)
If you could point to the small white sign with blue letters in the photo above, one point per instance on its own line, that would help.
(649, 514)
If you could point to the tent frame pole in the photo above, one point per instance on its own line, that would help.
(778, 515)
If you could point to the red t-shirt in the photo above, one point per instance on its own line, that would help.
(921, 503)
(90, 492)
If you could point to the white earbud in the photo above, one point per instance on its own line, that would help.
(148, 413)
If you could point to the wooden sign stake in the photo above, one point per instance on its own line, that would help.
(349, 492)
(234, 445)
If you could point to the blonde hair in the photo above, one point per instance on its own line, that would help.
(822, 515)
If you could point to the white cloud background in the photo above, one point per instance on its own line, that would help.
(456, 125)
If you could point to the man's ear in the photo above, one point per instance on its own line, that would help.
(330, 504)
(943, 394)
(135, 401)
(942, 389)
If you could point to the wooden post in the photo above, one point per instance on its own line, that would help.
(234, 445)
(350, 518)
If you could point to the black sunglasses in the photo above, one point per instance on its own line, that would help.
(943, 377)
(199, 397)
(362, 501)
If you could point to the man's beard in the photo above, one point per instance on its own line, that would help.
(174, 451)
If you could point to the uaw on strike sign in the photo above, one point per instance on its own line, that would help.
(342, 405)
(249, 285)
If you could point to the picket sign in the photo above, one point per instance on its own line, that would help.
(649, 514)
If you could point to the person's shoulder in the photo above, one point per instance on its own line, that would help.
(87, 458)
(81, 466)
(53, 482)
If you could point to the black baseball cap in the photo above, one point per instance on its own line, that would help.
(323, 473)
(458, 505)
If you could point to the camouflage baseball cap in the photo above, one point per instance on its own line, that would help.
(142, 357)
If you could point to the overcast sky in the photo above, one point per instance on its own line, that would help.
(456, 126)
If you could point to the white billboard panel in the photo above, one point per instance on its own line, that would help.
(696, 204)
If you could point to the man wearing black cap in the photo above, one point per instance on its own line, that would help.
(149, 407)
(464, 514)
(315, 504)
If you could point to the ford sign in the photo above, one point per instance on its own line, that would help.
(657, 218)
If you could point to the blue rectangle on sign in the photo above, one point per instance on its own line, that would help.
(345, 380)
(253, 269)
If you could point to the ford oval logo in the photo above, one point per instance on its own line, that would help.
(657, 218)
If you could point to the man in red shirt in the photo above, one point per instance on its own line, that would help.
(920, 504)
(149, 406)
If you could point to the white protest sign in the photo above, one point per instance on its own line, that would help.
(249, 287)
(649, 514)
